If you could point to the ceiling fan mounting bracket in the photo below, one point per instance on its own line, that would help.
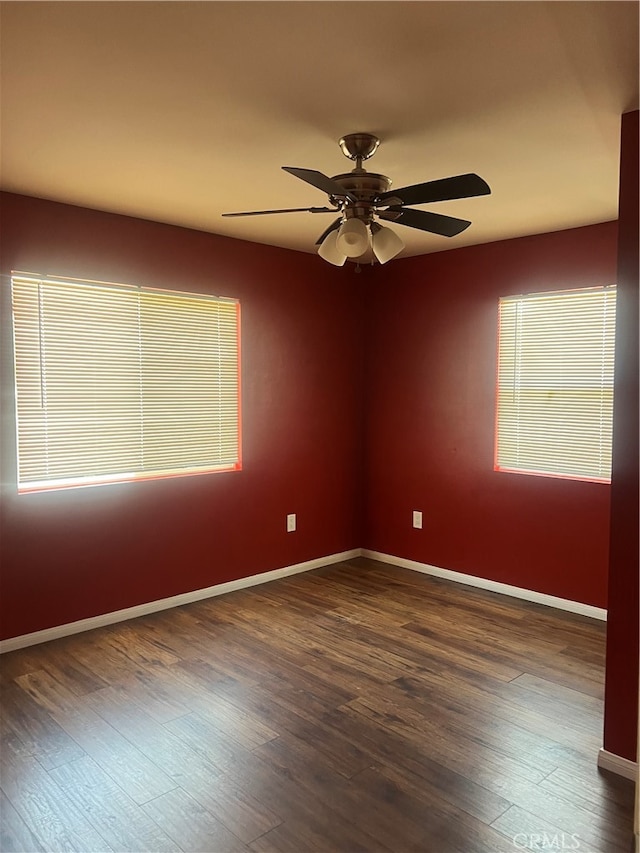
(359, 146)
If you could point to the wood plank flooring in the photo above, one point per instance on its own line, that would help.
(359, 707)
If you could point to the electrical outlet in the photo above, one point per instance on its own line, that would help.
(417, 519)
(291, 522)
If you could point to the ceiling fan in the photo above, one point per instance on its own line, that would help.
(361, 198)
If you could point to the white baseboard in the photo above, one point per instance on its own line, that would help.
(69, 628)
(492, 586)
(617, 764)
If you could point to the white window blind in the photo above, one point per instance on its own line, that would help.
(555, 383)
(116, 383)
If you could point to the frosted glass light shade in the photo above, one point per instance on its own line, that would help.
(386, 244)
(329, 251)
(353, 238)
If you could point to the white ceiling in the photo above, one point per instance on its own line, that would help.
(180, 111)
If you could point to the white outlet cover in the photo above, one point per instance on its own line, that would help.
(417, 519)
(291, 522)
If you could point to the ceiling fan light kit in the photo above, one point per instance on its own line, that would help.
(360, 198)
(385, 243)
(329, 251)
(353, 237)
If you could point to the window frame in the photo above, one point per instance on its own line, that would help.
(162, 299)
(607, 349)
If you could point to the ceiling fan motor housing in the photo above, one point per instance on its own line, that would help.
(365, 186)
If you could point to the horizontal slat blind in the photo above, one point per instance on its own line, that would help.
(555, 383)
(115, 383)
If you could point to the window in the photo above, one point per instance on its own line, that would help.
(555, 383)
(116, 383)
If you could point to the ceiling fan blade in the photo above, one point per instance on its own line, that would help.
(436, 223)
(285, 210)
(459, 186)
(333, 227)
(320, 181)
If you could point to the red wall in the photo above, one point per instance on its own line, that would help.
(621, 689)
(424, 423)
(430, 406)
(351, 452)
(75, 554)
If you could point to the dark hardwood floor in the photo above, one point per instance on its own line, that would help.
(360, 707)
